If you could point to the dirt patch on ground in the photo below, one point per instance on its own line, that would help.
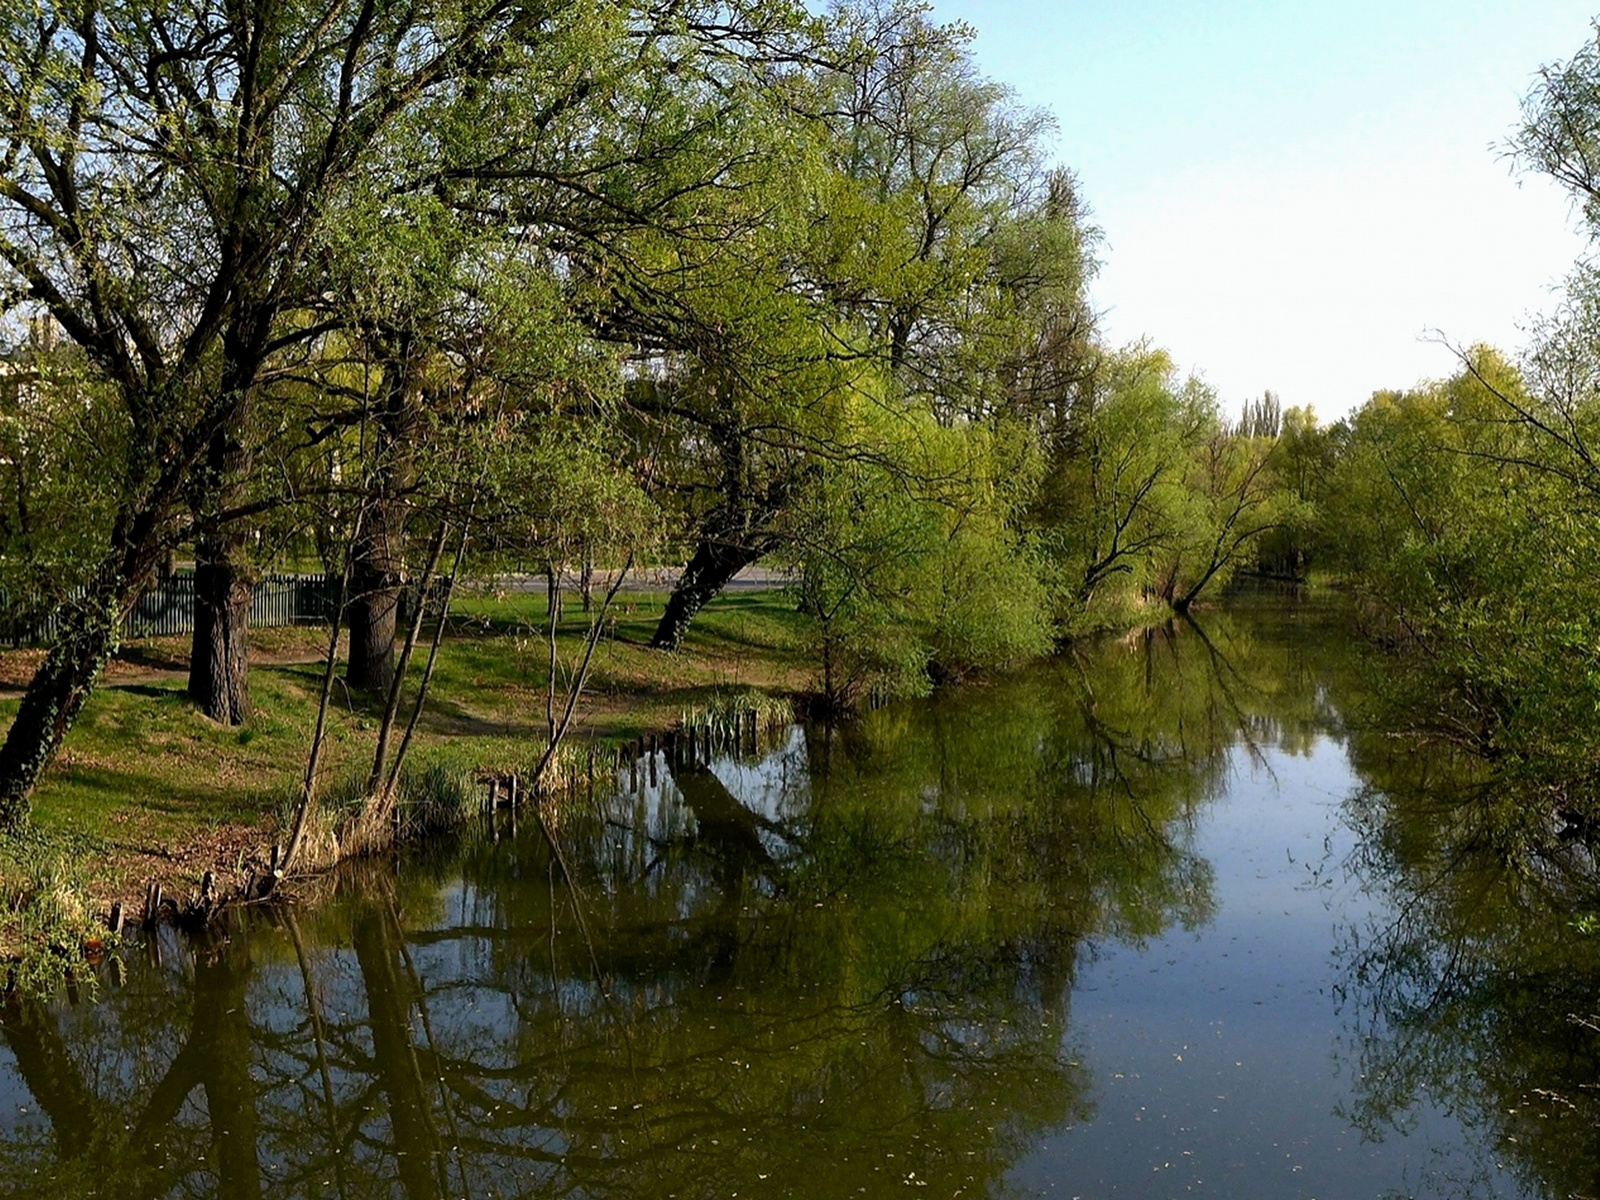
(125, 869)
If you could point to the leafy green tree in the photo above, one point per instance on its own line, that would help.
(926, 240)
(166, 179)
(172, 185)
(1303, 461)
(908, 561)
(1468, 549)
(1113, 503)
(1235, 498)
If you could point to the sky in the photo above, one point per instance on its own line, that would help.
(1303, 197)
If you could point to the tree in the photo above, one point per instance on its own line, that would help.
(1234, 500)
(167, 181)
(927, 241)
(1112, 503)
(173, 186)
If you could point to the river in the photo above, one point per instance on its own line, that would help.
(1174, 916)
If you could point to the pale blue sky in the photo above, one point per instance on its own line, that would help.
(1295, 194)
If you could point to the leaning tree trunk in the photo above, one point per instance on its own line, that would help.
(735, 533)
(91, 628)
(715, 562)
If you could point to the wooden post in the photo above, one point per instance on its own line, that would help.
(115, 924)
(652, 760)
(494, 793)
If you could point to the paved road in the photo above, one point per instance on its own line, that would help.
(653, 579)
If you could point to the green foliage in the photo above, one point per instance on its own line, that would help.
(1115, 498)
(1474, 550)
(60, 441)
(48, 924)
(908, 562)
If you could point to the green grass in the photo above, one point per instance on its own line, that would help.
(142, 773)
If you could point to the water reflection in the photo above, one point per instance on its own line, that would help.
(876, 956)
(1476, 984)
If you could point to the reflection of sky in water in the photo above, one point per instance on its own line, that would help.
(1215, 1060)
(1214, 1051)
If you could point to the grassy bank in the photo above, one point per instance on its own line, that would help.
(148, 789)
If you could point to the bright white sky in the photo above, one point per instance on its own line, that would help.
(1294, 195)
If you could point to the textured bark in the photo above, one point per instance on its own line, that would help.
(219, 653)
(91, 628)
(377, 574)
(219, 657)
(713, 565)
(736, 532)
(373, 613)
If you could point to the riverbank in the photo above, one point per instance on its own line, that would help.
(147, 790)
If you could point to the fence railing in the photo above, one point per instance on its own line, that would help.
(166, 609)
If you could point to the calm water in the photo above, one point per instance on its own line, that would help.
(1172, 919)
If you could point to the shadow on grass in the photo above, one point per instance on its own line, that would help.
(153, 690)
(85, 797)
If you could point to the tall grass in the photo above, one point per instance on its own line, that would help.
(48, 927)
(723, 712)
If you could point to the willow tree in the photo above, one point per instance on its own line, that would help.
(924, 240)
(631, 187)
(169, 181)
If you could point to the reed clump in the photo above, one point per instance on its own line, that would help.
(727, 713)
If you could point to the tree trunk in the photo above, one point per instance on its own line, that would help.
(91, 630)
(377, 574)
(737, 531)
(373, 614)
(219, 658)
(552, 596)
(715, 562)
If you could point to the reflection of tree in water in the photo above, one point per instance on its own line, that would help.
(841, 973)
(1471, 990)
